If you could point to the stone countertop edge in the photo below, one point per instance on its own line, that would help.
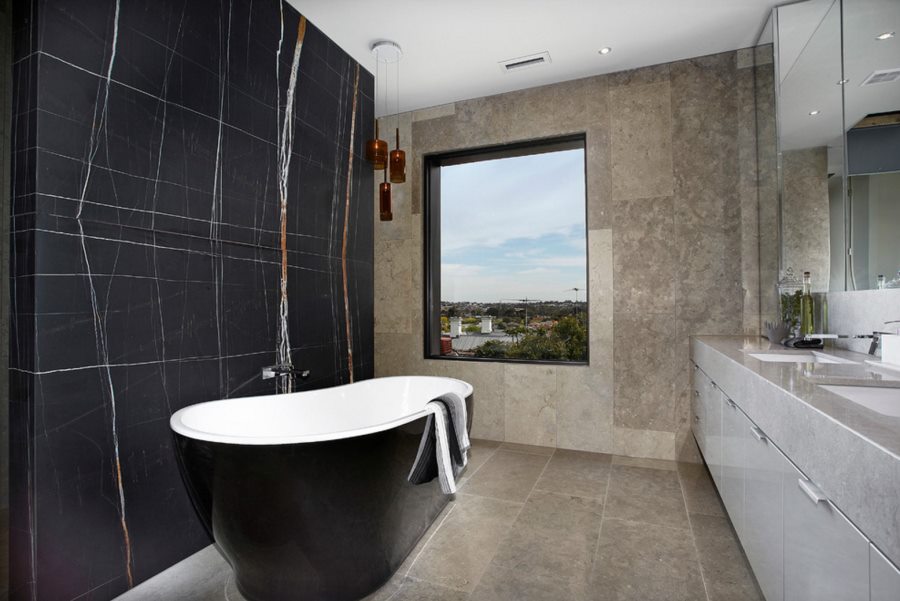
(850, 452)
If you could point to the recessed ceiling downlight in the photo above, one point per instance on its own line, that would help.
(814, 113)
(885, 36)
(605, 50)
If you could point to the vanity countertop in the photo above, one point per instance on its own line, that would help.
(850, 451)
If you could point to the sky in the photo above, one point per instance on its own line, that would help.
(514, 228)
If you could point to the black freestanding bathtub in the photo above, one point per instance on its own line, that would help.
(306, 494)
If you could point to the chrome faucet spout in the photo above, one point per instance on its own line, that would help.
(284, 370)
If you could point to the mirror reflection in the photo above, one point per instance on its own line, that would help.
(872, 116)
(810, 142)
(837, 73)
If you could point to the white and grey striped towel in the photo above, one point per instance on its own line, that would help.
(444, 447)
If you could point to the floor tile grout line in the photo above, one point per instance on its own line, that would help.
(419, 554)
(481, 496)
(477, 469)
(514, 520)
(651, 524)
(693, 535)
(406, 575)
(522, 452)
(594, 556)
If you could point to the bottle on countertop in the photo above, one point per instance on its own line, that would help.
(879, 284)
(807, 326)
(895, 283)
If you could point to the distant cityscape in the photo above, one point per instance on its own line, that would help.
(515, 329)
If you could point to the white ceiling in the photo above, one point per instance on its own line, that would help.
(451, 48)
(810, 61)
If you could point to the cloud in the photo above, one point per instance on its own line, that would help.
(489, 203)
(460, 270)
(571, 261)
(514, 228)
(536, 271)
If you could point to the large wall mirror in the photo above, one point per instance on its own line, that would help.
(835, 168)
(871, 31)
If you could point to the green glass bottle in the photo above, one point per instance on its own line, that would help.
(807, 326)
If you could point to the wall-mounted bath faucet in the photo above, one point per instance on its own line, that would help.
(284, 370)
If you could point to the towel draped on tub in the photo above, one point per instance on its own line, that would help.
(444, 448)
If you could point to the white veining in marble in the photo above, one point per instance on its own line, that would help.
(98, 319)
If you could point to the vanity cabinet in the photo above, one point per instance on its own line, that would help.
(884, 577)
(707, 422)
(825, 557)
(735, 432)
(698, 408)
(800, 546)
(763, 533)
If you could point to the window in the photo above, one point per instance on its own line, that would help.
(506, 253)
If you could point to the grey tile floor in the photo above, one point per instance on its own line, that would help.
(532, 523)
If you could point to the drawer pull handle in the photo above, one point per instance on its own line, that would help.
(811, 490)
(758, 434)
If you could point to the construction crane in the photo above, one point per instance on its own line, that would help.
(576, 290)
(525, 301)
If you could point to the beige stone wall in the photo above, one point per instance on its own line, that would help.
(767, 190)
(805, 214)
(670, 171)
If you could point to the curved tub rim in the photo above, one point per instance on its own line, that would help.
(178, 426)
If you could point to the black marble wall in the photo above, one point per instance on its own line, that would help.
(171, 159)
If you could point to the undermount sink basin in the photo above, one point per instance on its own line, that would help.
(885, 401)
(800, 357)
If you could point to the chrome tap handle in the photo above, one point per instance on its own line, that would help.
(284, 370)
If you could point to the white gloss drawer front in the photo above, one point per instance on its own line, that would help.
(800, 545)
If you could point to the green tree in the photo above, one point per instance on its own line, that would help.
(565, 341)
(537, 345)
(514, 330)
(492, 349)
(572, 335)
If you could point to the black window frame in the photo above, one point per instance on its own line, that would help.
(431, 234)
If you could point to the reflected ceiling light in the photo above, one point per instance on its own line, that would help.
(885, 36)
(814, 113)
(605, 50)
(843, 81)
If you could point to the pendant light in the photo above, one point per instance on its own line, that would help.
(398, 162)
(377, 149)
(384, 200)
(398, 157)
(394, 163)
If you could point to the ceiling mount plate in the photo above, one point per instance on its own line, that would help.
(386, 51)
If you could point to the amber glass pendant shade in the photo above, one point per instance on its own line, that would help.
(398, 163)
(384, 201)
(377, 151)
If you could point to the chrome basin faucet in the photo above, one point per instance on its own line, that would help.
(876, 337)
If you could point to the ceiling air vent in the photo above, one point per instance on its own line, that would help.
(883, 76)
(525, 62)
